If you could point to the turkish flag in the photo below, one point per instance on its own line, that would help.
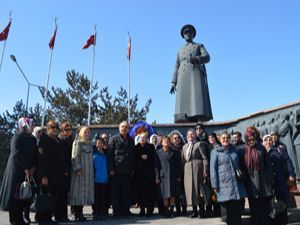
(52, 40)
(89, 42)
(4, 33)
(129, 48)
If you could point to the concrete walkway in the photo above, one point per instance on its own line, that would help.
(294, 218)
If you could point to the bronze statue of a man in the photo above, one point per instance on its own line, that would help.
(190, 81)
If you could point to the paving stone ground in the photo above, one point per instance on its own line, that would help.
(294, 219)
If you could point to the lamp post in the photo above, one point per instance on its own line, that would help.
(13, 58)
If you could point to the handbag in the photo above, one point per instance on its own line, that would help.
(25, 191)
(240, 174)
(278, 207)
(42, 201)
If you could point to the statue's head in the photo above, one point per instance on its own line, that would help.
(188, 32)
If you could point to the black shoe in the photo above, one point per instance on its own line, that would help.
(26, 219)
(194, 214)
(142, 213)
(80, 218)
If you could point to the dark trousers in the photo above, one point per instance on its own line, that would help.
(120, 194)
(16, 212)
(60, 196)
(77, 210)
(100, 203)
(232, 211)
(259, 209)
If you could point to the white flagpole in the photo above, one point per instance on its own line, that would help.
(3, 50)
(92, 75)
(47, 81)
(129, 56)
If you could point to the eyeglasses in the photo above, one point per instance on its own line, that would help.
(68, 129)
(251, 139)
(53, 127)
(225, 138)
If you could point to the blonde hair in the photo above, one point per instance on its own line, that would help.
(81, 133)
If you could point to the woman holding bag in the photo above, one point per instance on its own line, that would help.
(21, 163)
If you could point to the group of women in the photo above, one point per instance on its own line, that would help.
(264, 178)
(66, 168)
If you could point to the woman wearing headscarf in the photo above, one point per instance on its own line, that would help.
(280, 176)
(82, 174)
(257, 165)
(229, 189)
(195, 171)
(21, 163)
(145, 175)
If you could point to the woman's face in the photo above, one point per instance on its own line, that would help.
(165, 143)
(252, 141)
(143, 139)
(225, 140)
(268, 142)
(86, 135)
(212, 140)
(67, 131)
(154, 140)
(52, 130)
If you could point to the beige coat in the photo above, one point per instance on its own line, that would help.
(82, 187)
(194, 168)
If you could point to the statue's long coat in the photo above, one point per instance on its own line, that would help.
(192, 98)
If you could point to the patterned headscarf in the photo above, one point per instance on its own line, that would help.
(25, 124)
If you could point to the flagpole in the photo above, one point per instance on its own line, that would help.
(47, 81)
(129, 55)
(3, 50)
(129, 91)
(92, 75)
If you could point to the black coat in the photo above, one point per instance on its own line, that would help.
(121, 154)
(23, 156)
(51, 160)
(144, 172)
(259, 182)
(280, 175)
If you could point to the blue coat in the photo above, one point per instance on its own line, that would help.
(222, 174)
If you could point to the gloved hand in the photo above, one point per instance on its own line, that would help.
(173, 89)
(194, 60)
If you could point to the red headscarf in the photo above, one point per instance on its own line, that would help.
(251, 154)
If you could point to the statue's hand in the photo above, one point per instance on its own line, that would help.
(173, 89)
(194, 60)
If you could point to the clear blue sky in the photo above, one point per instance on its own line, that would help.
(254, 48)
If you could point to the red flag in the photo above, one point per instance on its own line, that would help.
(4, 33)
(90, 41)
(52, 40)
(129, 48)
